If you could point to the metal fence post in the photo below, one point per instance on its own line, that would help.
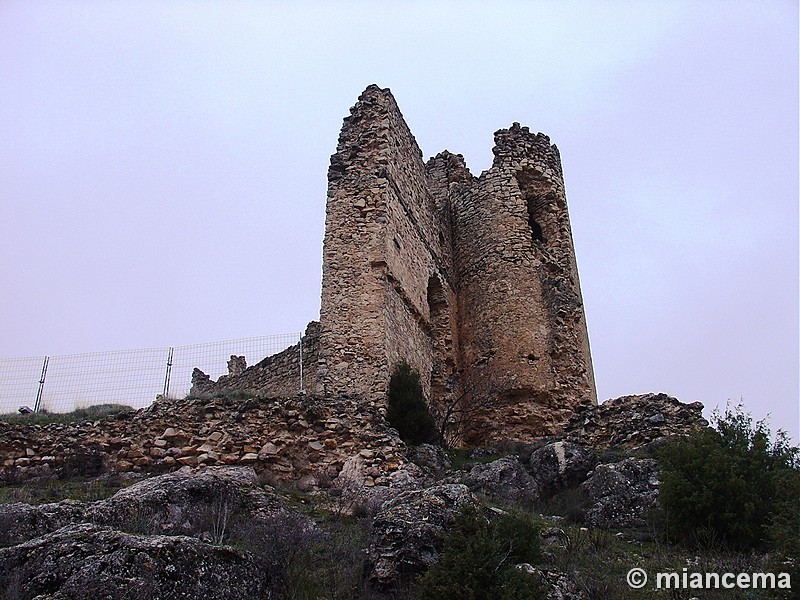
(38, 404)
(301, 364)
(168, 373)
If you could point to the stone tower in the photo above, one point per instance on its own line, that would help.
(472, 281)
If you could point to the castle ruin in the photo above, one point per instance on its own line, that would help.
(471, 280)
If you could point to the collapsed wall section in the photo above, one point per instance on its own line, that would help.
(275, 376)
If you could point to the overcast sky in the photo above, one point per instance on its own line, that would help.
(163, 168)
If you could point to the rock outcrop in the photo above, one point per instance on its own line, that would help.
(175, 503)
(409, 529)
(85, 561)
(431, 458)
(561, 465)
(622, 494)
(505, 481)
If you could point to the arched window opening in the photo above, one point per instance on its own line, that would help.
(537, 236)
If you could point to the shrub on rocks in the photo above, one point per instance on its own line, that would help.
(408, 411)
(481, 559)
(727, 484)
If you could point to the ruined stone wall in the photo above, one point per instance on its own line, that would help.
(522, 328)
(286, 439)
(473, 281)
(381, 254)
(275, 376)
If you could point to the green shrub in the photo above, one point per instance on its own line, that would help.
(570, 503)
(463, 459)
(479, 560)
(85, 461)
(52, 490)
(303, 562)
(408, 411)
(784, 526)
(722, 486)
(90, 413)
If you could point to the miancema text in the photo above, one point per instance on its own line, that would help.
(701, 581)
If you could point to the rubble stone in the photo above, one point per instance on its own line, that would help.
(631, 422)
(264, 433)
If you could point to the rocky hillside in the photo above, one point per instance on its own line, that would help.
(295, 498)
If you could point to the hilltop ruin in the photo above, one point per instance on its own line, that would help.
(471, 280)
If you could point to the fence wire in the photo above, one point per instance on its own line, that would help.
(212, 358)
(130, 377)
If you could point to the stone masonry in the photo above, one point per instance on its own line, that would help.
(277, 375)
(471, 280)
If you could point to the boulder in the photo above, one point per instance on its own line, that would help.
(504, 480)
(408, 477)
(561, 465)
(408, 530)
(622, 495)
(174, 503)
(431, 458)
(89, 562)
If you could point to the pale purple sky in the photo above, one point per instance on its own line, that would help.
(163, 168)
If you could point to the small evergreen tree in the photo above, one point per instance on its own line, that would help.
(408, 411)
(724, 485)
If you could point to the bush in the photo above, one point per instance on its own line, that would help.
(50, 490)
(570, 503)
(408, 411)
(784, 526)
(301, 561)
(277, 543)
(479, 560)
(90, 413)
(724, 485)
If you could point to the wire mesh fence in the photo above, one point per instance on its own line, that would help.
(212, 358)
(130, 377)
